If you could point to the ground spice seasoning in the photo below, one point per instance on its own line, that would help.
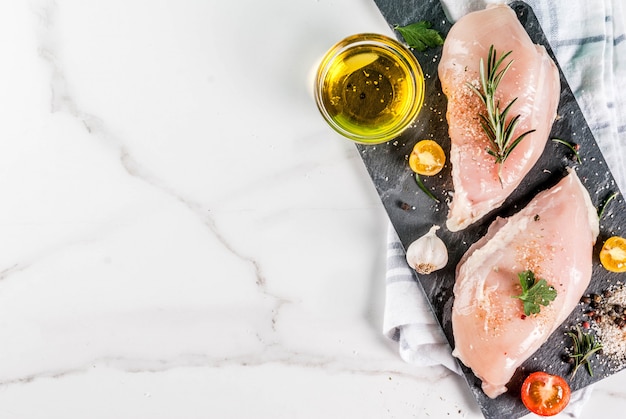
(606, 317)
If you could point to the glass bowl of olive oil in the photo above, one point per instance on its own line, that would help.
(369, 88)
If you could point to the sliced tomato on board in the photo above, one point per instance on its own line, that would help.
(545, 394)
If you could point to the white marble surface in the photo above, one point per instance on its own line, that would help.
(181, 235)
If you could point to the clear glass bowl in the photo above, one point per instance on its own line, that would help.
(369, 88)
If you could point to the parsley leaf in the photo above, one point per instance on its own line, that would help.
(534, 293)
(419, 35)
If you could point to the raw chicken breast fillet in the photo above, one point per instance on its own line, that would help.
(533, 78)
(553, 237)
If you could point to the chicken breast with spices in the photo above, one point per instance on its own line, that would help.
(481, 183)
(553, 237)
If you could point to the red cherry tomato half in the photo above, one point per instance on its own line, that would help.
(545, 394)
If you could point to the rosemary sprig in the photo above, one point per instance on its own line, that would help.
(585, 345)
(424, 188)
(573, 147)
(499, 131)
(609, 199)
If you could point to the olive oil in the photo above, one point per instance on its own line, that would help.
(371, 90)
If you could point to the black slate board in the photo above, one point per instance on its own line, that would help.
(412, 213)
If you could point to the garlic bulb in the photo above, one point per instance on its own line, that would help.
(428, 253)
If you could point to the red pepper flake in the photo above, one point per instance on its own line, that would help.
(523, 317)
(585, 325)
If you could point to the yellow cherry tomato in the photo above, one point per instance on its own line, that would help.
(427, 158)
(613, 254)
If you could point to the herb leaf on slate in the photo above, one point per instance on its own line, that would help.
(420, 36)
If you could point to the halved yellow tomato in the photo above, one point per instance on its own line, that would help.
(427, 158)
(613, 254)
